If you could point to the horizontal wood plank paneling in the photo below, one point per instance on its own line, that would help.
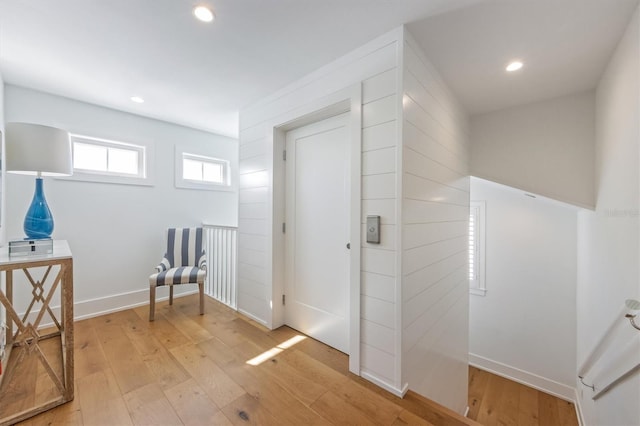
(378, 336)
(377, 187)
(419, 234)
(254, 195)
(379, 161)
(375, 67)
(385, 208)
(435, 215)
(379, 136)
(432, 273)
(379, 111)
(378, 311)
(379, 261)
(378, 286)
(379, 86)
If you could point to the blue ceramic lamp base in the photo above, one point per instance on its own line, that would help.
(38, 222)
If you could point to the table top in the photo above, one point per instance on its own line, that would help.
(60, 251)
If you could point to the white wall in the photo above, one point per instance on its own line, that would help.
(545, 147)
(435, 218)
(608, 239)
(374, 67)
(403, 343)
(115, 231)
(524, 327)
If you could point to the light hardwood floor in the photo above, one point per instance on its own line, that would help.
(494, 400)
(189, 369)
(185, 368)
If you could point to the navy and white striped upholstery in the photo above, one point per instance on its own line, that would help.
(183, 263)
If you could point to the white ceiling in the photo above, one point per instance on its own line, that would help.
(200, 75)
(564, 44)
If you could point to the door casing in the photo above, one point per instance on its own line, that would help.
(346, 100)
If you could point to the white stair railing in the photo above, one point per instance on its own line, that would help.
(221, 246)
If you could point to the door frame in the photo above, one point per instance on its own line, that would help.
(345, 100)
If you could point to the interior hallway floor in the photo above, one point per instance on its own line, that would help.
(222, 368)
(494, 400)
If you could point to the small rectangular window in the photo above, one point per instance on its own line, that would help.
(109, 158)
(477, 248)
(201, 172)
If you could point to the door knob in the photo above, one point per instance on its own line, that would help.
(349, 246)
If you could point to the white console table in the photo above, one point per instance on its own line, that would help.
(31, 345)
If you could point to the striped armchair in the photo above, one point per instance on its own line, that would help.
(183, 263)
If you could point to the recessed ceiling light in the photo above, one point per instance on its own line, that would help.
(203, 13)
(137, 99)
(514, 66)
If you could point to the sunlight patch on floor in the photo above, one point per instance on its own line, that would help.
(275, 350)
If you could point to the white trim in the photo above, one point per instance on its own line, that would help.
(147, 177)
(181, 153)
(114, 303)
(578, 404)
(347, 99)
(384, 385)
(532, 380)
(466, 411)
(253, 317)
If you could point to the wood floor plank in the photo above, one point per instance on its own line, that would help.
(186, 368)
(163, 330)
(188, 326)
(88, 355)
(567, 413)
(477, 388)
(248, 410)
(488, 413)
(101, 401)
(126, 363)
(339, 412)
(259, 384)
(193, 406)
(148, 405)
(215, 382)
(501, 396)
(549, 413)
(380, 410)
(528, 409)
(165, 368)
(508, 409)
(406, 417)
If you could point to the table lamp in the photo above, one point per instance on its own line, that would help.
(33, 149)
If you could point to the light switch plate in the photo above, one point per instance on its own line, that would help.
(373, 229)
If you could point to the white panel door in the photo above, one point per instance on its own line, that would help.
(317, 233)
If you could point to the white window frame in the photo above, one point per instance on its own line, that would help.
(477, 213)
(191, 154)
(145, 155)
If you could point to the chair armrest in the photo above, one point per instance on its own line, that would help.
(202, 262)
(164, 265)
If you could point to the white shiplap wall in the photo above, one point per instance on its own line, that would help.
(375, 67)
(435, 214)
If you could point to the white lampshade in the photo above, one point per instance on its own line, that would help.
(33, 149)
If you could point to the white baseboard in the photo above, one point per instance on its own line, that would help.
(105, 305)
(384, 385)
(578, 405)
(255, 318)
(543, 384)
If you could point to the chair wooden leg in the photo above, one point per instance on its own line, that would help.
(152, 302)
(171, 295)
(201, 290)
